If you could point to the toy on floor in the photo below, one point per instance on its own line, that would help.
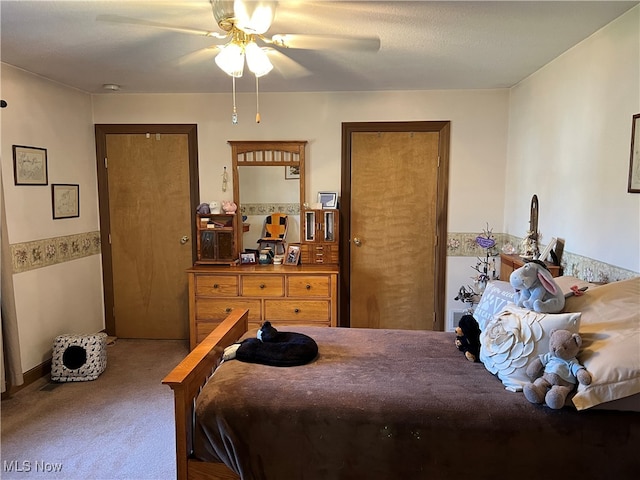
(468, 337)
(560, 369)
(536, 289)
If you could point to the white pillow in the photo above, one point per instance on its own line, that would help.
(610, 333)
(515, 337)
(495, 298)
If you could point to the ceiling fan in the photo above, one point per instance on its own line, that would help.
(244, 25)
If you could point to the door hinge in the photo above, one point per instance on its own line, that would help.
(434, 319)
(105, 162)
(438, 161)
(109, 239)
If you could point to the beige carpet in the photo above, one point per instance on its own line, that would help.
(119, 426)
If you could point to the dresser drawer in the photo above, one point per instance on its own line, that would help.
(262, 286)
(216, 285)
(308, 311)
(214, 309)
(308, 286)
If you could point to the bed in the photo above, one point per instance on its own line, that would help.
(385, 404)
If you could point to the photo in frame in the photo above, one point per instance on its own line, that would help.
(29, 165)
(292, 172)
(550, 246)
(328, 199)
(634, 161)
(65, 200)
(293, 255)
(248, 258)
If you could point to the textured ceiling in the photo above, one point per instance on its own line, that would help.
(423, 44)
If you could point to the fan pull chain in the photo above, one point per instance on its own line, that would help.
(234, 115)
(257, 103)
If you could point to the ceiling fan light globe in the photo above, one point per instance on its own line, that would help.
(257, 60)
(231, 60)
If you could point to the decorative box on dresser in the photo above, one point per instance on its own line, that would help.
(509, 263)
(320, 237)
(282, 294)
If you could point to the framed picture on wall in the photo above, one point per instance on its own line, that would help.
(29, 165)
(634, 162)
(292, 172)
(65, 200)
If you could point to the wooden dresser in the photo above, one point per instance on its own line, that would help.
(509, 263)
(283, 294)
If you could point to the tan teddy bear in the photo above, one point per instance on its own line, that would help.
(561, 371)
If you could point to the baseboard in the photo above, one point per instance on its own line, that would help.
(29, 377)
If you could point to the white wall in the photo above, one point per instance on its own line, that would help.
(478, 134)
(570, 143)
(64, 298)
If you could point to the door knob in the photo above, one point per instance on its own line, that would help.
(184, 240)
(357, 241)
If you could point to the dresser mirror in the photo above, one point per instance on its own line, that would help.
(268, 177)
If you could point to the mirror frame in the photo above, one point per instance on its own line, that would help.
(260, 153)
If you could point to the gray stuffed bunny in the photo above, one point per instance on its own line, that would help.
(536, 289)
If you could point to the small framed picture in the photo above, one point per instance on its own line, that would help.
(634, 162)
(292, 172)
(328, 199)
(248, 258)
(29, 165)
(65, 200)
(293, 255)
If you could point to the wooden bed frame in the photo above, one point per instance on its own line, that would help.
(186, 380)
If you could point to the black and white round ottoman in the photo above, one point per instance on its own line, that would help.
(78, 358)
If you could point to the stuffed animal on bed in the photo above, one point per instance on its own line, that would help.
(468, 337)
(271, 347)
(561, 371)
(536, 289)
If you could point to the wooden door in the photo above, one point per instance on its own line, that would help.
(396, 212)
(148, 204)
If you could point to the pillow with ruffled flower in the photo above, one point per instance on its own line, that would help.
(516, 336)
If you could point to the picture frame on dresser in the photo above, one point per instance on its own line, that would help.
(248, 258)
(634, 161)
(293, 255)
(328, 199)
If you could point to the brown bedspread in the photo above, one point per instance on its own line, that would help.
(392, 404)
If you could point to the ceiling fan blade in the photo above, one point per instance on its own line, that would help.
(321, 42)
(164, 26)
(201, 55)
(286, 65)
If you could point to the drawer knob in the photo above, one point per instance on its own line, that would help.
(296, 310)
(262, 285)
(215, 285)
(308, 287)
(228, 310)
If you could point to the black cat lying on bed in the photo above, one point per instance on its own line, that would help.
(271, 347)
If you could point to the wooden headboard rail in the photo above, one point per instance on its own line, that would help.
(187, 379)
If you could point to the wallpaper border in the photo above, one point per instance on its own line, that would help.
(584, 268)
(51, 251)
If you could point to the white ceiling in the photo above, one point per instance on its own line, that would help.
(423, 44)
